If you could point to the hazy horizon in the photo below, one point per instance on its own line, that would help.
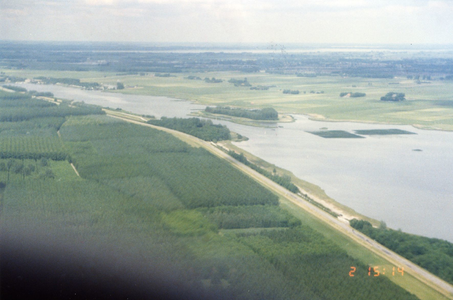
(349, 22)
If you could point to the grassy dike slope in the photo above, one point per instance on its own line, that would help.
(325, 224)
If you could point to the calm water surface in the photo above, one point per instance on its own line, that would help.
(378, 176)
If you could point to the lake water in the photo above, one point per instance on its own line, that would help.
(379, 176)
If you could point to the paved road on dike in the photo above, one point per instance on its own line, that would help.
(370, 244)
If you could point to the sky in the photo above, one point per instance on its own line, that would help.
(222, 21)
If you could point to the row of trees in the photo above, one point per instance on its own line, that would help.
(203, 129)
(256, 114)
(293, 92)
(418, 77)
(352, 95)
(213, 80)
(26, 169)
(60, 155)
(68, 81)
(47, 127)
(239, 82)
(26, 113)
(15, 88)
(306, 74)
(368, 74)
(20, 107)
(41, 94)
(12, 78)
(28, 102)
(164, 75)
(284, 181)
(233, 217)
(392, 96)
(260, 88)
(435, 255)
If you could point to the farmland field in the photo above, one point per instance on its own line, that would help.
(31, 147)
(427, 105)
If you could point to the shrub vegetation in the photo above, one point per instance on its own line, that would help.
(391, 96)
(203, 129)
(435, 255)
(352, 95)
(256, 114)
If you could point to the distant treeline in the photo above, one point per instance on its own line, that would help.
(164, 75)
(24, 90)
(284, 181)
(352, 95)
(21, 107)
(41, 94)
(239, 82)
(294, 92)
(371, 75)
(12, 79)
(213, 80)
(203, 129)
(81, 57)
(306, 75)
(192, 77)
(418, 77)
(68, 81)
(256, 114)
(15, 88)
(20, 112)
(261, 87)
(432, 254)
(24, 113)
(391, 96)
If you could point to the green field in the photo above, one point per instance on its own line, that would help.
(428, 105)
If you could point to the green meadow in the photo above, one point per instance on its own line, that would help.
(428, 104)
